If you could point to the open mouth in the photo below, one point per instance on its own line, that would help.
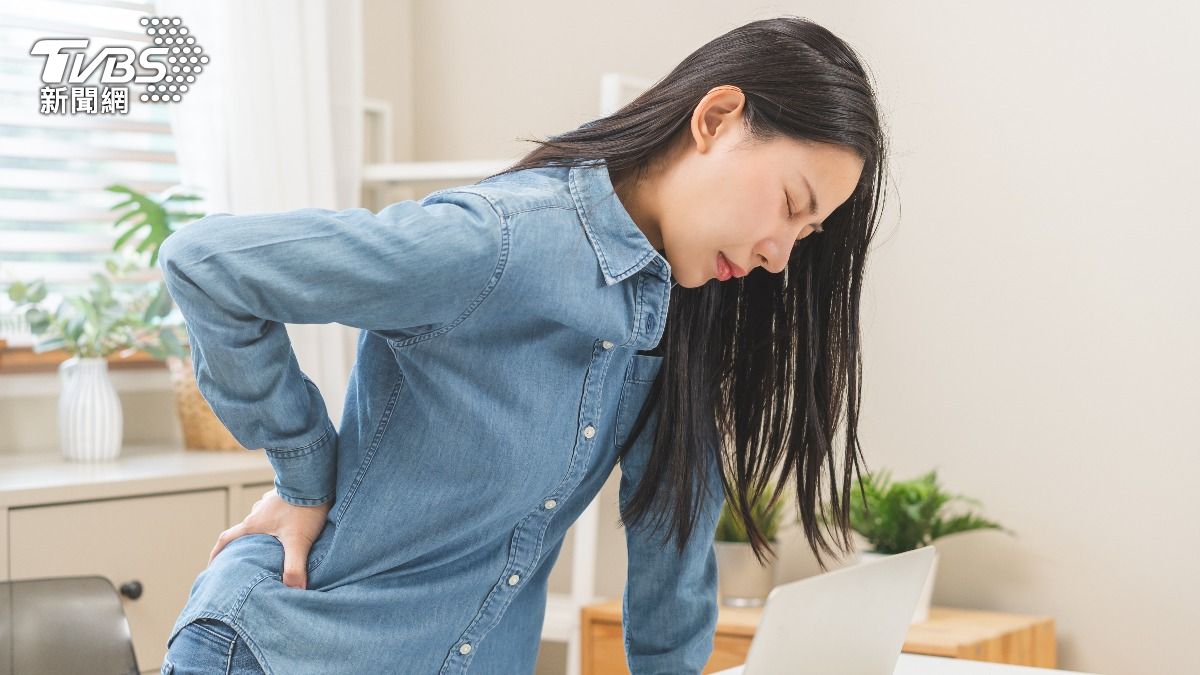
(726, 270)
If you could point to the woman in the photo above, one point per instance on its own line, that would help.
(643, 290)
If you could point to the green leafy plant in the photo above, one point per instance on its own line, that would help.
(731, 527)
(113, 316)
(158, 219)
(105, 319)
(904, 515)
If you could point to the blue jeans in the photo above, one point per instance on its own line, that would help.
(210, 647)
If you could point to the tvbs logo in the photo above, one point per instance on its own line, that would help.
(167, 69)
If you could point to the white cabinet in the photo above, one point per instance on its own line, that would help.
(146, 521)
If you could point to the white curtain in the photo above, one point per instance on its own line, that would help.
(273, 123)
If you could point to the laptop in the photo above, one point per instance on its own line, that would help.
(850, 621)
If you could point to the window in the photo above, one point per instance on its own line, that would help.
(56, 221)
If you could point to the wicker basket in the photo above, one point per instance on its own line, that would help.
(202, 429)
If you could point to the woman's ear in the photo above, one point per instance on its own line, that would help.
(718, 112)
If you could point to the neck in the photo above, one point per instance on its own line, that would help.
(636, 196)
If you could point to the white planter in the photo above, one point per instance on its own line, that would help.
(742, 581)
(89, 411)
(921, 612)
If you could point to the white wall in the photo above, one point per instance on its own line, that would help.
(1031, 316)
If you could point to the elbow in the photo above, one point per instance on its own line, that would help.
(182, 246)
(177, 251)
(176, 247)
(167, 252)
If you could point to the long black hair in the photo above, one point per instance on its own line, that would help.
(755, 370)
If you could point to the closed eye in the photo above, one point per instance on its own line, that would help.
(817, 229)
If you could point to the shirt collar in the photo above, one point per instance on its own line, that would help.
(620, 246)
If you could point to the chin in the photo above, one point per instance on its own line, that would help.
(689, 280)
(693, 283)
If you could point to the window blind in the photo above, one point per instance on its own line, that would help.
(56, 218)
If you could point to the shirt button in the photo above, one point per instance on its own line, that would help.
(550, 503)
(512, 581)
(465, 648)
(606, 344)
(589, 431)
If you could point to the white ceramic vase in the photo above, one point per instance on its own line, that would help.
(89, 411)
(921, 611)
(742, 581)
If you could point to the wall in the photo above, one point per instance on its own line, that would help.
(1031, 314)
(1030, 318)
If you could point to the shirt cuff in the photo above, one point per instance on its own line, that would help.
(306, 476)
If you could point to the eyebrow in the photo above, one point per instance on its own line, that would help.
(812, 196)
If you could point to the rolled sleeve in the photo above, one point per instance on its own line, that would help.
(238, 279)
(669, 607)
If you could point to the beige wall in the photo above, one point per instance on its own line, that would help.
(1030, 321)
(388, 73)
(1031, 317)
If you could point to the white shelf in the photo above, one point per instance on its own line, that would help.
(397, 173)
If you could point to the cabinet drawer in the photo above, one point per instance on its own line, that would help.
(161, 541)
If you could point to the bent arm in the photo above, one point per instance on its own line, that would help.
(238, 279)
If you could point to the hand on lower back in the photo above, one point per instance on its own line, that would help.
(296, 527)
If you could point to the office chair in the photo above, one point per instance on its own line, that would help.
(64, 626)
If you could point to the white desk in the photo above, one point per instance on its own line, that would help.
(919, 664)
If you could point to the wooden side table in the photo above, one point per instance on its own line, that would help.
(951, 632)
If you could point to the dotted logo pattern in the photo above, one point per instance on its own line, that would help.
(185, 60)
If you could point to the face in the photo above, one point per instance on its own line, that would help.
(721, 192)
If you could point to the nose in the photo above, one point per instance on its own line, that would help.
(772, 256)
(773, 253)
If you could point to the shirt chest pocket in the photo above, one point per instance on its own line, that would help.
(635, 390)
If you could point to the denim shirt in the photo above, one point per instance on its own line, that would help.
(497, 370)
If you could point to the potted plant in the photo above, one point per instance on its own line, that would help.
(91, 326)
(894, 517)
(156, 217)
(743, 580)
